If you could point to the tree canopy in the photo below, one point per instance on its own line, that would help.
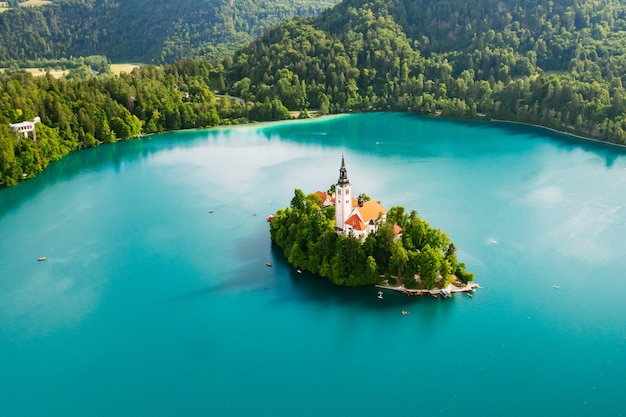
(149, 31)
(559, 64)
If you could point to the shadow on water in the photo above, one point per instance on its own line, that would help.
(307, 287)
(287, 286)
(610, 152)
(377, 133)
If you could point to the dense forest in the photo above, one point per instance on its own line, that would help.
(148, 31)
(559, 64)
(306, 234)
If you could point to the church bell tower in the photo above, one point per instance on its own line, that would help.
(343, 198)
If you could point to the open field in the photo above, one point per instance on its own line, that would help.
(35, 3)
(4, 6)
(115, 68)
(55, 73)
(37, 72)
(118, 68)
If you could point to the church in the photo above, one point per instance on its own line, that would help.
(353, 215)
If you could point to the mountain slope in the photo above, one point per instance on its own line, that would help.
(561, 63)
(141, 30)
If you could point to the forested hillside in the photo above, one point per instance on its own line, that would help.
(559, 63)
(80, 113)
(140, 30)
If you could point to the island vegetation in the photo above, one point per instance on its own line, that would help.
(559, 64)
(423, 257)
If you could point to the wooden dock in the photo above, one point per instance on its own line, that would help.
(437, 292)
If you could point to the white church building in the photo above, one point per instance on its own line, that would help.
(354, 215)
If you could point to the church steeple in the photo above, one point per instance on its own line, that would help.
(343, 174)
(343, 198)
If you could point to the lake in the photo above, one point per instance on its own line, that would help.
(155, 298)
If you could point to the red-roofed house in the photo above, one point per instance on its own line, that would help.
(327, 199)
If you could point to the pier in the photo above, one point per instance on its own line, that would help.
(435, 292)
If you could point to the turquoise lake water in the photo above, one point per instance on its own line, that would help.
(150, 305)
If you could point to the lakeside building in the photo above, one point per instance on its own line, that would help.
(25, 127)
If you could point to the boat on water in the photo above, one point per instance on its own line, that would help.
(43, 258)
(405, 313)
(380, 295)
(268, 264)
(299, 271)
(270, 217)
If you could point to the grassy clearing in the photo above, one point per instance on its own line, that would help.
(560, 73)
(35, 3)
(118, 68)
(115, 69)
(37, 72)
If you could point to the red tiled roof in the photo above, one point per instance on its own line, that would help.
(356, 223)
(324, 196)
(397, 229)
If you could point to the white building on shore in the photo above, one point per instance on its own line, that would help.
(25, 127)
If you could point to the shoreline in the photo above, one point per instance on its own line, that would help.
(240, 126)
(314, 119)
(446, 292)
(558, 131)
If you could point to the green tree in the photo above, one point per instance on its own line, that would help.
(120, 128)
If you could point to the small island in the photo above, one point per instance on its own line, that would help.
(355, 241)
